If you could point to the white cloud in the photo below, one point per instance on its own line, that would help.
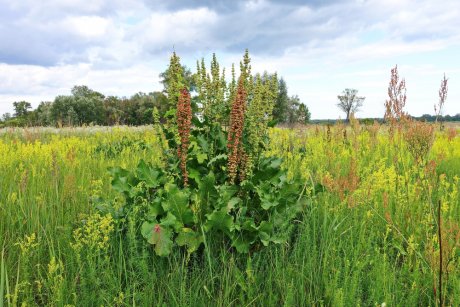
(320, 47)
(91, 27)
(189, 28)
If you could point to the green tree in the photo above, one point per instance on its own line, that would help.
(161, 103)
(280, 110)
(43, 114)
(350, 102)
(80, 91)
(88, 105)
(144, 107)
(303, 114)
(21, 108)
(72, 117)
(6, 116)
(293, 110)
(113, 114)
(60, 108)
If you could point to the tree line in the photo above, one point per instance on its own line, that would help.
(85, 106)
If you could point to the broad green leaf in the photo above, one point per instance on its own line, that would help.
(265, 231)
(231, 204)
(120, 181)
(150, 175)
(226, 193)
(207, 191)
(177, 202)
(170, 221)
(268, 202)
(203, 143)
(242, 241)
(121, 184)
(154, 209)
(201, 157)
(219, 220)
(191, 239)
(159, 236)
(276, 163)
(170, 112)
(194, 174)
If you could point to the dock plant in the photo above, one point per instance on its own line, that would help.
(217, 183)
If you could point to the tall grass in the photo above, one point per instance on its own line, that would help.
(368, 236)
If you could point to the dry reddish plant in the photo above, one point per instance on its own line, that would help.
(184, 122)
(344, 185)
(451, 134)
(394, 106)
(373, 132)
(244, 162)
(442, 98)
(235, 132)
(419, 137)
(328, 133)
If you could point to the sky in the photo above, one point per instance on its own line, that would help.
(320, 47)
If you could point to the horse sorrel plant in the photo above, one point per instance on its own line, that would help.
(209, 189)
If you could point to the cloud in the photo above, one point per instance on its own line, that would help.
(46, 47)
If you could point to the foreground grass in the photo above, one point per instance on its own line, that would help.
(367, 237)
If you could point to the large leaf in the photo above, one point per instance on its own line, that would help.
(194, 174)
(152, 176)
(243, 240)
(120, 179)
(219, 137)
(227, 197)
(177, 202)
(207, 190)
(190, 238)
(201, 157)
(265, 232)
(219, 220)
(155, 209)
(170, 221)
(159, 236)
(203, 143)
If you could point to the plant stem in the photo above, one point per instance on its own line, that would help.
(440, 253)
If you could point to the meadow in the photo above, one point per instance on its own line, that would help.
(378, 203)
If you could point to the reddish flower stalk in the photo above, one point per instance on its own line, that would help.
(397, 97)
(184, 122)
(235, 132)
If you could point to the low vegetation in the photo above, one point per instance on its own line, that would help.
(216, 207)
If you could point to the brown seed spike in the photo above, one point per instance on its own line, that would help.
(235, 132)
(184, 122)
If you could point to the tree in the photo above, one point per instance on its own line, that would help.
(21, 108)
(304, 114)
(297, 112)
(6, 116)
(350, 102)
(72, 117)
(43, 114)
(280, 110)
(88, 106)
(79, 91)
(60, 107)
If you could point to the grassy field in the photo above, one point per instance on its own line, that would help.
(369, 235)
